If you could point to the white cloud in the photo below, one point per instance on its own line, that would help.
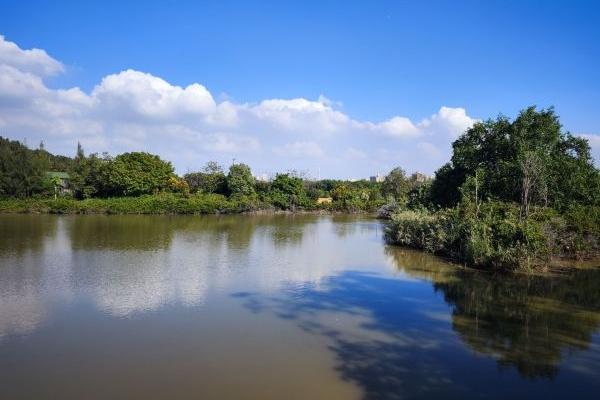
(429, 149)
(134, 94)
(232, 144)
(450, 121)
(35, 61)
(299, 149)
(300, 115)
(133, 110)
(398, 126)
(355, 154)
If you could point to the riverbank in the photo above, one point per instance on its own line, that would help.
(495, 236)
(162, 204)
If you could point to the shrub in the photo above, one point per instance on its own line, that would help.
(494, 236)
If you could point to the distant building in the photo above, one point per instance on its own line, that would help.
(419, 177)
(377, 178)
(324, 200)
(65, 179)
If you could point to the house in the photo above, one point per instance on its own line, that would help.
(64, 187)
(324, 200)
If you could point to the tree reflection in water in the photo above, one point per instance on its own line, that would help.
(527, 322)
(378, 330)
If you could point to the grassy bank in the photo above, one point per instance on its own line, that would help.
(165, 203)
(494, 236)
(159, 204)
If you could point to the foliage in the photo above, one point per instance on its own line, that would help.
(210, 180)
(178, 185)
(240, 181)
(396, 185)
(529, 160)
(287, 192)
(493, 235)
(138, 173)
(419, 197)
(21, 170)
(164, 203)
(356, 197)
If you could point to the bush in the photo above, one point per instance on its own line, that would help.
(494, 236)
(164, 203)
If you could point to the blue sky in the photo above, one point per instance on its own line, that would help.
(358, 66)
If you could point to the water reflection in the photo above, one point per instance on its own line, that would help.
(131, 264)
(381, 341)
(394, 342)
(526, 322)
(21, 234)
(394, 323)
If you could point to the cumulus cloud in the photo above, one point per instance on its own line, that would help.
(398, 126)
(451, 121)
(133, 110)
(137, 95)
(35, 61)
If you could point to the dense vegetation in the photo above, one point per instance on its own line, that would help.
(515, 194)
(143, 183)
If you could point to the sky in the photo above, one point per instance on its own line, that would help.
(336, 89)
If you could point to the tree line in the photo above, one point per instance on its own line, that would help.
(530, 162)
(23, 174)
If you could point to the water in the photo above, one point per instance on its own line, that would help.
(271, 307)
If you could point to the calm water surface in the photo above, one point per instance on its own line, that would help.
(272, 307)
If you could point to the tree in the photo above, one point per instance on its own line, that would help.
(210, 180)
(396, 185)
(288, 192)
(21, 170)
(240, 181)
(79, 174)
(533, 181)
(137, 173)
(97, 182)
(506, 152)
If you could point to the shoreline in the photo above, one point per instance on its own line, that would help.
(158, 205)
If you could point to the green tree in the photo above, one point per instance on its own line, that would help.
(288, 192)
(79, 174)
(97, 182)
(21, 170)
(137, 173)
(530, 154)
(212, 179)
(396, 185)
(240, 181)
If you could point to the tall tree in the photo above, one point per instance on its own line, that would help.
(240, 181)
(396, 185)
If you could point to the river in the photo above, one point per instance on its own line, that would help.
(277, 307)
